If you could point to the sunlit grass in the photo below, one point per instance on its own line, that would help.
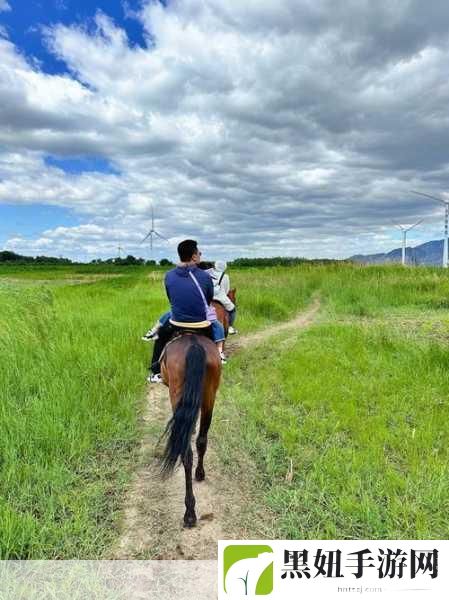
(71, 375)
(360, 412)
(358, 403)
(362, 415)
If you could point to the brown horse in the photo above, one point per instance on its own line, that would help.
(191, 368)
(222, 313)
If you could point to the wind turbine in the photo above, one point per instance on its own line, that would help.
(119, 251)
(153, 232)
(404, 230)
(446, 217)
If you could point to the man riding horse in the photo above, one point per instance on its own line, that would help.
(190, 367)
(190, 291)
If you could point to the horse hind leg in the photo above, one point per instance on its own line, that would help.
(201, 443)
(189, 515)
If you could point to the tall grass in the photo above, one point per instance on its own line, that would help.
(359, 411)
(71, 378)
(270, 295)
(362, 415)
(376, 291)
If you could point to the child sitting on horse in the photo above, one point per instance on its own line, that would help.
(222, 286)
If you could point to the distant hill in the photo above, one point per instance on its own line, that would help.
(430, 254)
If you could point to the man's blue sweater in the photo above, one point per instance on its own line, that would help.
(187, 305)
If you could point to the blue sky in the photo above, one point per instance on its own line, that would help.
(81, 164)
(259, 128)
(25, 20)
(31, 220)
(24, 23)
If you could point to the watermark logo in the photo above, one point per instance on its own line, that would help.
(292, 569)
(248, 570)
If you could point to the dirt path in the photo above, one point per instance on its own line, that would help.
(152, 522)
(301, 321)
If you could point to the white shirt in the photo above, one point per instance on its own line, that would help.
(221, 289)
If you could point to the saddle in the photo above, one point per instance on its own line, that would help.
(181, 331)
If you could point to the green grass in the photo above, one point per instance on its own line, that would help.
(270, 295)
(360, 410)
(71, 376)
(379, 291)
(358, 403)
(34, 272)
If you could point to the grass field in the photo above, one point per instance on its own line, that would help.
(347, 421)
(357, 404)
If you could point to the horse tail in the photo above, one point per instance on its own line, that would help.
(180, 427)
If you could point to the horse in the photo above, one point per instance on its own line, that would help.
(191, 368)
(222, 313)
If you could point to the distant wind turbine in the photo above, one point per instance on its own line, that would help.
(153, 232)
(404, 230)
(446, 217)
(119, 251)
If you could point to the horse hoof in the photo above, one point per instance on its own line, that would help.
(200, 475)
(190, 522)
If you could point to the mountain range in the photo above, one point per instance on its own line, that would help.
(429, 253)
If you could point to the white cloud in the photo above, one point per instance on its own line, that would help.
(4, 6)
(280, 126)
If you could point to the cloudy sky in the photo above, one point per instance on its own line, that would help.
(261, 128)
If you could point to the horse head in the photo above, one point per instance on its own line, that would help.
(232, 295)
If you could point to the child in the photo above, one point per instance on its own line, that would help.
(221, 289)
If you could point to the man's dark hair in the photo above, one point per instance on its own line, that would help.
(186, 249)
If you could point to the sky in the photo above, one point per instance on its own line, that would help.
(274, 128)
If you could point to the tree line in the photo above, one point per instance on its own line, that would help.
(8, 257)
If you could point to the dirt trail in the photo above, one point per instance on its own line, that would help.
(301, 321)
(152, 522)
